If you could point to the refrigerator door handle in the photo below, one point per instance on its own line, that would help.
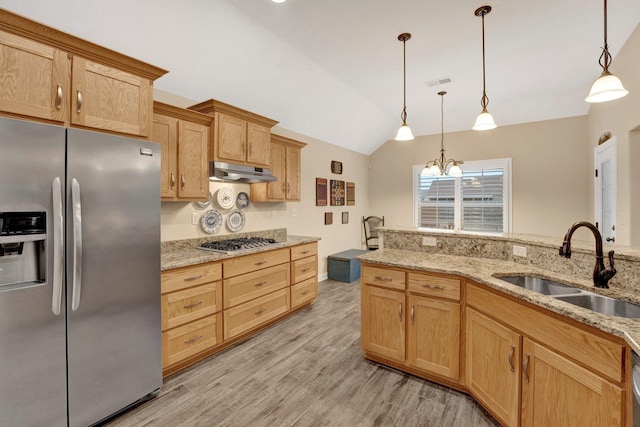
(76, 208)
(58, 245)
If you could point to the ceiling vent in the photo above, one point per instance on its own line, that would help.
(438, 82)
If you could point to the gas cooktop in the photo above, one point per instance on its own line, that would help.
(231, 246)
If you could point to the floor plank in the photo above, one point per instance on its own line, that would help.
(307, 370)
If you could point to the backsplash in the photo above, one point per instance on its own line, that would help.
(541, 252)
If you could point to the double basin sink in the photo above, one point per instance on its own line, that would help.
(579, 297)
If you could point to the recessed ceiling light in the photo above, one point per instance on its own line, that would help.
(278, 1)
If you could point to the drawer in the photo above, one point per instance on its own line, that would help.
(246, 287)
(305, 268)
(303, 251)
(190, 304)
(304, 292)
(432, 285)
(180, 278)
(246, 264)
(387, 278)
(185, 341)
(247, 316)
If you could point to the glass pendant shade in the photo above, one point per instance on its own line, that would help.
(455, 171)
(484, 121)
(607, 88)
(404, 133)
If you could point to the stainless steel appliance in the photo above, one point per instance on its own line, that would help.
(79, 274)
(220, 171)
(230, 246)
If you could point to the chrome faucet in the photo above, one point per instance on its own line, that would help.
(601, 275)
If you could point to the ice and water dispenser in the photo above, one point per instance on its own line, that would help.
(22, 249)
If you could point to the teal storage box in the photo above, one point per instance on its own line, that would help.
(343, 266)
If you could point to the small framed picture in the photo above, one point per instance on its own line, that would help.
(336, 167)
(337, 193)
(351, 193)
(328, 218)
(321, 192)
(345, 217)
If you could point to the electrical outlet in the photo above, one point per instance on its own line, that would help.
(273, 214)
(294, 212)
(194, 218)
(429, 241)
(520, 251)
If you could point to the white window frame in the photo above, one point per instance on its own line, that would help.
(473, 165)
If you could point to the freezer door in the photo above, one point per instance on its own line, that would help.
(113, 268)
(32, 336)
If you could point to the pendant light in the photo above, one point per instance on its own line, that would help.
(404, 133)
(438, 167)
(608, 87)
(485, 119)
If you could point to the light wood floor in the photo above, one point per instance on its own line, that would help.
(307, 370)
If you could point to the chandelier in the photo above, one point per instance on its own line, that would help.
(404, 132)
(438, 167)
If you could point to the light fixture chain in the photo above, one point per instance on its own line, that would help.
(484, 101)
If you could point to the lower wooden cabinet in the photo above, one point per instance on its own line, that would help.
(245, 317)
(304, 292)
(382, 322)
(193, 338)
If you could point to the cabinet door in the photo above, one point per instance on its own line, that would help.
(110, 99)
(293, 173)
(382, 322)
(165, 132)
(231, 138)
(192, 160)
(433, 336)
(35, 79)
(258, 144)
(493, 354)
(558, 392)
(277, 189)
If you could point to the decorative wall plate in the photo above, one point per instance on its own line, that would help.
(226, 197)
(211, 221)
(235, 220)
(243, 200)
(207, 203)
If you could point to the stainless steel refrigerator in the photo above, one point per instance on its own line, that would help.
(79, 274)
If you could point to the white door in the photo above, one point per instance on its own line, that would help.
(605, 189)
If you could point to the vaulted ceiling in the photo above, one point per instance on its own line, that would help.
(332, 69)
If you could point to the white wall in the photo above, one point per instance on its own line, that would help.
(316, 163)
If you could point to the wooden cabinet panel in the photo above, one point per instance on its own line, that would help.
(380, 276)
(275, 190)
(492, 366)
(190, 304)
(110, 99)
(181, 278)
(558, 392)
(432, 285)
(305, 268)
(258, 144)
(433, 336)
(193, 140)
(303, 251)
(231, 138)
(285, 165)
(304, 292)
(243, 288)
(293, 173)
(248, 263)
(185, 341)
(35, 79)
(247, 316)
(165, 131)
(382, 322)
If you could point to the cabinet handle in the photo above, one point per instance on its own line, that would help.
(59, 97)
(195, 304)
(513, 349)
(182, 180)
(383, 279)
(192, 340)
(439, 288)
(305, 252)
(304, 270)
(262, 310)
(173, 180)
(305, 292)
(192, 278)
(288, 188)
(284, 187)
(261, 283)
(411, 313)
(79, 101)
(260, 262)
(400, 311)
(525, 368)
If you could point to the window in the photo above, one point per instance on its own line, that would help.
(480, 201)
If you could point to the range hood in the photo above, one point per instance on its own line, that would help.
(219, 171)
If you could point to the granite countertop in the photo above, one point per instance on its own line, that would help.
(183, 253)
(482, 270)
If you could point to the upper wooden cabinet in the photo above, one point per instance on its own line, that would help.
(184, 136)
(49, 75)
(239, 136)
(285, 165)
